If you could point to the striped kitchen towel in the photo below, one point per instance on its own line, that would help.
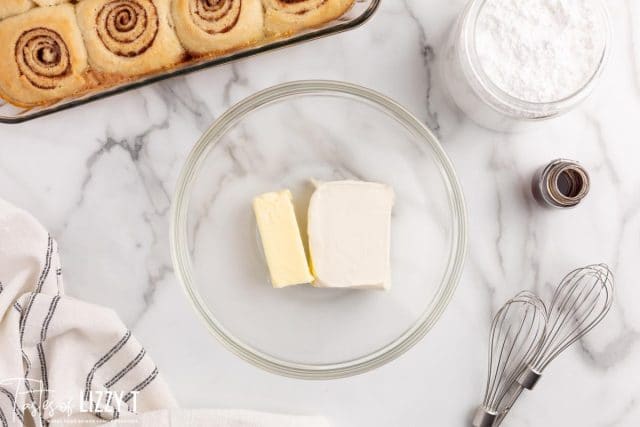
(67, 362)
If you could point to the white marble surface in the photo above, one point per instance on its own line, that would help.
(101, 176)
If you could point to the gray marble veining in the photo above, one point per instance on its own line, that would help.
(101, 178)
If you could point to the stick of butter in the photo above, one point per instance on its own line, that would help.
(349, 229)
(281, 239)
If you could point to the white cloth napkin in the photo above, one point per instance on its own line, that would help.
(67, 362)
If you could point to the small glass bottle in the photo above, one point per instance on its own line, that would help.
(560, 184)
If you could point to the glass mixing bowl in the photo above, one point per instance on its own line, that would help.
(281, 138)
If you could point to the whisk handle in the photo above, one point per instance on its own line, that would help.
(484, 418)
(514, 397)
(529, 378)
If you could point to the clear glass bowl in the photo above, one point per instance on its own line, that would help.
(280, 138)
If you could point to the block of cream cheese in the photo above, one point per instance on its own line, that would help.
(281, 239)
(349, 229)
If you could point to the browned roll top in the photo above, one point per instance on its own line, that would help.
(127, 27)
(299, 7)
(215, 16)
(43, 57)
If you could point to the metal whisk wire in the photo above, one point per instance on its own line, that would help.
(516, 335)
(583, 298)
(580, 302)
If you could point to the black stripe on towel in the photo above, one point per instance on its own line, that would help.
(47, 320)
(45, 381)
(112, 416)
(104, 359)
(43, 361)
(101, 414)
(47, 265)
(25, 359)
(43, 370)
(115, 414)
(3, 419)
(126, 369)
(27, 384)
(24, 314)
(142, 385)
(59, 280)
(13, 402)
(41, 279)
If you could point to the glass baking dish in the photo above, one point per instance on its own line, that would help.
(361, 11)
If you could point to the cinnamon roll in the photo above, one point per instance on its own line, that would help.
(288, 16)
(206, 26)
(50, 2)
(14, 7)
(43, 57)
(128, 37)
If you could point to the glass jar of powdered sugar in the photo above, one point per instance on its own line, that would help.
(509, 63)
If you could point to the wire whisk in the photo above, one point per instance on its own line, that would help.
(516, 335)
(581, 300)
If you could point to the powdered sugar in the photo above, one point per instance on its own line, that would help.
(540, 50)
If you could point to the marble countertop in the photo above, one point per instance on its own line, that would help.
(101, 178)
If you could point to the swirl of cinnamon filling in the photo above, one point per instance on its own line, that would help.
(297, 7)
(43, 57)
(127, 27)
(215, 16)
